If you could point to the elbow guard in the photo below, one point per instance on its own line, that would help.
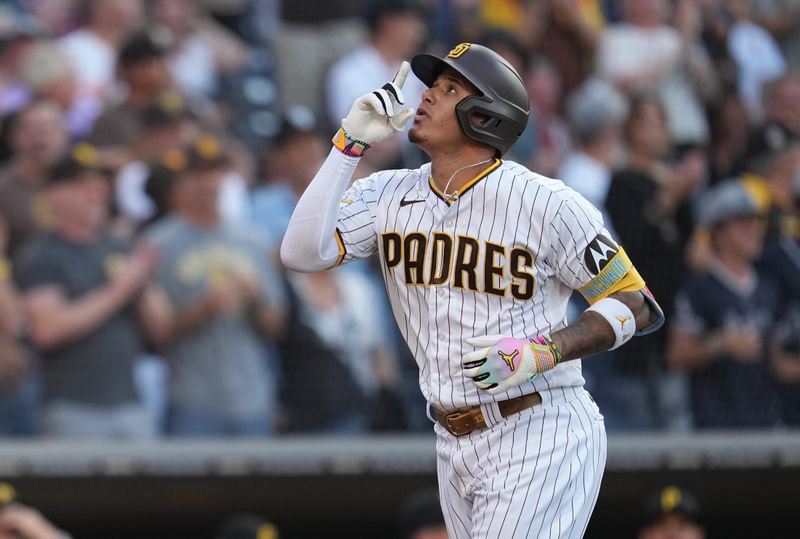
(656, 314)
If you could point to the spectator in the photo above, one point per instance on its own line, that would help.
(247, 526)
(334, 308)
(723, 319)
(553, 141)
(48, 73)
(142, 67)
(779, 180)
(38, 138)
(295, 157)
(785, 354)
(596, 113)
(201, 49)
(781, 258)
(397, 29)
(94, 47)
(672, 513)
(757, 55)
(57, 17)
(299, 150)
(320, 32)
(223, 295)
(730, 131)
(781, 18)
(571, 35)
(17, 385)
(512, 51)
(648, 202)
(646, 54)
(21, 521)
(782, 262)
(781, 123)
(87, 300)
(164, 124)
(421, 517)
(17, 35)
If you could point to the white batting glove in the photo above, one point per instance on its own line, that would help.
(378, 115)
(501, 363)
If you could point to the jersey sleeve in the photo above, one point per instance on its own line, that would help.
(356, 233)
(588, 260)
(581, 245)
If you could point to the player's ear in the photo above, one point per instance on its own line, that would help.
(478, 119)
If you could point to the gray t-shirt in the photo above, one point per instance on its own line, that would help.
(96, 369)
(220, 366)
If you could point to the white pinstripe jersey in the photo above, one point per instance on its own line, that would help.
(502, 258)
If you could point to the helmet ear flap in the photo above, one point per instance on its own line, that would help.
(487, 132)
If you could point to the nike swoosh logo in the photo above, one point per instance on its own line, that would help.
(404, 202)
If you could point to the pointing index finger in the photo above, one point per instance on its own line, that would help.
(402, 73)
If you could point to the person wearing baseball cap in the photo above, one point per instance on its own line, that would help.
(90, 307)
(221, 308)
(723, 315)
(672, 513)
(728, 201)
(81, 160)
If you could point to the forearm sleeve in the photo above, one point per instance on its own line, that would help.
(310, 240)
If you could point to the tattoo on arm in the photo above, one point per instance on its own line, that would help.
(590, 333)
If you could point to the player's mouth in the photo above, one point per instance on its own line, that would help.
(420, 113)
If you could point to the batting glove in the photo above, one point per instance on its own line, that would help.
(377, 115)
(501, 363)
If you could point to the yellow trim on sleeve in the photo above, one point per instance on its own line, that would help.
(5, 269)
(342, 249)
(618, 275)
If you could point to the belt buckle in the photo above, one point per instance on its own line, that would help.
(453, 429)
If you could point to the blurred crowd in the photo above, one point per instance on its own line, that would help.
(419, 516)
(152, 151)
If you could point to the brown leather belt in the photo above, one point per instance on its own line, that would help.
(462, 422)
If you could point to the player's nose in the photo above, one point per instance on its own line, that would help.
(427, 95)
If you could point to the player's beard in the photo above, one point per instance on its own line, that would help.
(413, 136)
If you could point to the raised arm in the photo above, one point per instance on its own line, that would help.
(311, 242)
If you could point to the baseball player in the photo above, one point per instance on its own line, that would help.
(480, 256)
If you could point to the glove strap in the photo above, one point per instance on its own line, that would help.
(546, 353)
(348, 145)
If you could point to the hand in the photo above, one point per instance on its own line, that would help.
(743, 345)
(131, 273)
(501, 363)
(681, 181)
(225, 299)
(249, 287)
(377, 115)
(14, 363)
(689, 175)
(20, 521)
